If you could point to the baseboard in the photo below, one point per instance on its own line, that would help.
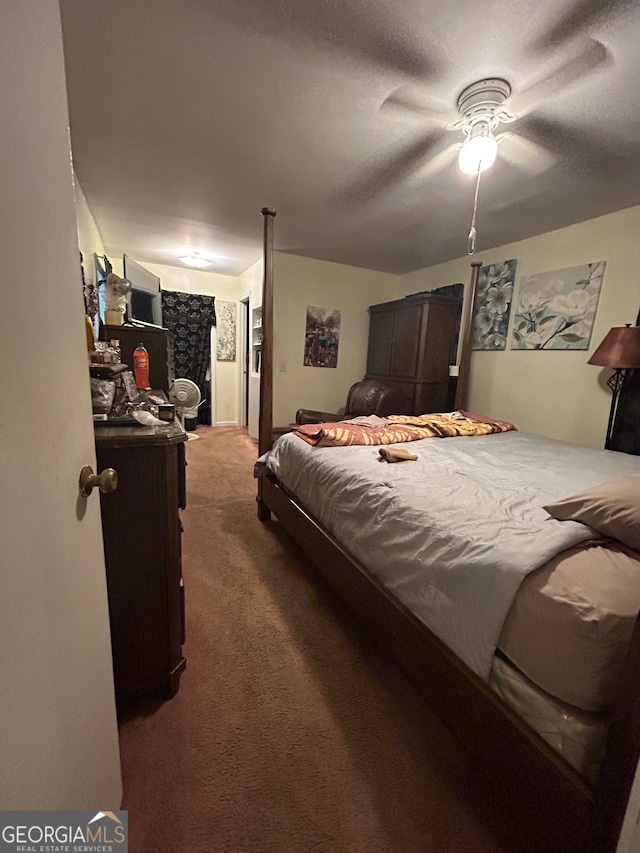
(226, 423)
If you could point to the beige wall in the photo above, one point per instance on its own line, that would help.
(553, 393)
(225, 288)
(300, 282)
(89, 239)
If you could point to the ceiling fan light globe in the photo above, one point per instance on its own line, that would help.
(195, 259)
(477, 154)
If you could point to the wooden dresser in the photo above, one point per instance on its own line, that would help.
(412, 342)
(141, 530)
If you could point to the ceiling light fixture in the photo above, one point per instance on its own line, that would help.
(478, 153)
(481, 109)
(195, 259)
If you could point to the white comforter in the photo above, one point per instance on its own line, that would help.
(452, 534)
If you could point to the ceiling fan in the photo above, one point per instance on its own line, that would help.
(481, 108)
(488, 103)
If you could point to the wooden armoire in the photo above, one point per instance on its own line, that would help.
(412, 342)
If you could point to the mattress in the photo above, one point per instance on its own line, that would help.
(453, 534)
(461, 538)
(570, 625)
(578, 735)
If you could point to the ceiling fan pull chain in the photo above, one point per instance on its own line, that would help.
(471, 245)
(471, 242)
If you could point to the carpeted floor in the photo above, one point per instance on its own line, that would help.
(291, 733)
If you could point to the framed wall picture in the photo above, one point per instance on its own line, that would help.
(226, 331)
(322, 336)
(492, 305)
(556, 310)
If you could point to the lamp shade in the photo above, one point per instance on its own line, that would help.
(620, 349)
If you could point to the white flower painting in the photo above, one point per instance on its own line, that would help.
(492, 305)
(556, 310)
(226, 331)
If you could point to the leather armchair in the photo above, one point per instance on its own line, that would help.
(367, 397)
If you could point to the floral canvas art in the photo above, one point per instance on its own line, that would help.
(226, 343)
(556, 310)
(492, 305)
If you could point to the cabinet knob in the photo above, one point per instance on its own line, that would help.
(106, 481)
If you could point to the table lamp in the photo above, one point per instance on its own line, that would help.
(620, 350)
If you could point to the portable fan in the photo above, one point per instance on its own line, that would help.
(185, 396)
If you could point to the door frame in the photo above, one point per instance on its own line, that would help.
(243, 356)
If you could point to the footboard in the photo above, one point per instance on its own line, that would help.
(535, 782)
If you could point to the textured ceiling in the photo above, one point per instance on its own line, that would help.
(187, 118)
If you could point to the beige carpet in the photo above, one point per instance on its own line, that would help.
(291, 733)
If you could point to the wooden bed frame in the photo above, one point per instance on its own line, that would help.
(556, 803)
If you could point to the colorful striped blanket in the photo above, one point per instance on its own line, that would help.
(399, 428)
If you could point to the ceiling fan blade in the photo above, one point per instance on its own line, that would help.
(407, 101)
(439, 162)
(524, 153)
(593, 56)
(385, 173)
(583, 18)
(583, 151)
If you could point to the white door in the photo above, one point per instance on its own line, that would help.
(58, 732)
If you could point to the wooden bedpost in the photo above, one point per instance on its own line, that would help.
(462, 385)
(265, 422)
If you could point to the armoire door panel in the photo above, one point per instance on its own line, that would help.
(406, 340)
(441, 327)
(380, 343)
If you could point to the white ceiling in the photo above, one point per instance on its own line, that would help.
(188, 117)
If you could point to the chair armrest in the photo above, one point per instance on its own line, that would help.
(312, 416)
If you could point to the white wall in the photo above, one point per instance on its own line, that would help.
(553, 393)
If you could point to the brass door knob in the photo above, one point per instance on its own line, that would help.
(106, 481)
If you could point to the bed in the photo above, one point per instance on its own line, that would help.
(560, 741)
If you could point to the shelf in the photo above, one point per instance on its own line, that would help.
(256, 340)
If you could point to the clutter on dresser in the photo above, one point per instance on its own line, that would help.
(105, 352)
(130, 369)
(115, 405)
(115, 398)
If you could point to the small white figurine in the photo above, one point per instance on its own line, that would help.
(115, 298)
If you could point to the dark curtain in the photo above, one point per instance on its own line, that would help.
(190, 317)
